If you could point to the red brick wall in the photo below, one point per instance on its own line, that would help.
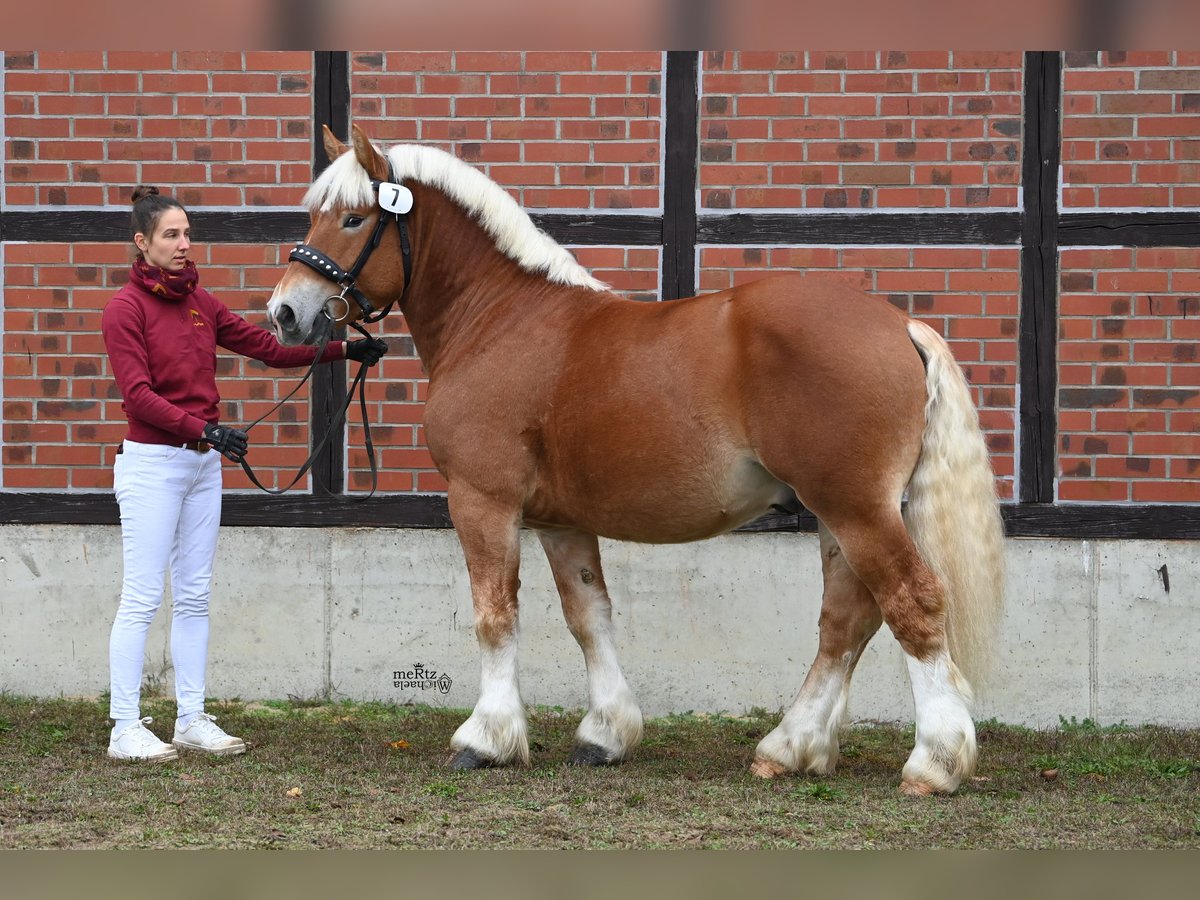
(59, 410)
(874, 129)
(1131, 129)
(215, 129)
(566, 130)
(1129, 375)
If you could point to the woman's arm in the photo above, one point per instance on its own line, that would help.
(236, 334)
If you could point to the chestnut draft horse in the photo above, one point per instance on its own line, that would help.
(556, 405)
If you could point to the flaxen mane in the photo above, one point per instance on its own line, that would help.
(345, 184)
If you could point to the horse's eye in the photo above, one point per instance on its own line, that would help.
(352, 221)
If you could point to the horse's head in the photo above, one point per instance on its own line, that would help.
(353, 262)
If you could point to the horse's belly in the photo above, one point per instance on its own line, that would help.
(666, 506)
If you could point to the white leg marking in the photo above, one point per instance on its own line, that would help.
(807, 738)
(497, 729)
(945, 751)
(613, 721)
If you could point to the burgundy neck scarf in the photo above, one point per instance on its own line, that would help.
(161, 283)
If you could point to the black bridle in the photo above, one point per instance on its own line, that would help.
(347, 280)
(327, 268)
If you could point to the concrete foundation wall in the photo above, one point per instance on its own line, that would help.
(1091, 629)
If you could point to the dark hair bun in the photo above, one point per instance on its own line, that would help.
(142, 191)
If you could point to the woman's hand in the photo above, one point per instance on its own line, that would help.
(367, 351)
(231, 443)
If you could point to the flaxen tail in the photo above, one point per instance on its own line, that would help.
(952, 512)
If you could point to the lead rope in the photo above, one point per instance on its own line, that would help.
(359, 382)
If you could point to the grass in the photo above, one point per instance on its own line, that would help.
(354, 775)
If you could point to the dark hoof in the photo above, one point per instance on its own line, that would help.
(591, 755)
(469, 759)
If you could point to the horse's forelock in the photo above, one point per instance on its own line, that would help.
(343, 184)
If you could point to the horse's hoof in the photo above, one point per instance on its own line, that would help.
(916, 789)
(468, 759)
(766, 768)
(591, 755)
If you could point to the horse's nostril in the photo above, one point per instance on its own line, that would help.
(286, 318)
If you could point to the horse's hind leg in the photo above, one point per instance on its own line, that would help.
(879, 550)
(807, 738)
(496, 732)
(613, 724)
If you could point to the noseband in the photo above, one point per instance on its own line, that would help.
(326, 267)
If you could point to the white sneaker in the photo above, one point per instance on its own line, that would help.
(138, 742)
(203, 733)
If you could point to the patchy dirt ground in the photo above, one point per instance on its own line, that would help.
(351, 775)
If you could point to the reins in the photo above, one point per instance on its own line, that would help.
(395, 201)
(359, 382)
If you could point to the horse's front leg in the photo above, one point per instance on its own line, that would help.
(496, 733)
(613, 724)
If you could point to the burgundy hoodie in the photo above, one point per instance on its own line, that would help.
(164, 357)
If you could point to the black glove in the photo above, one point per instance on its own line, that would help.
(367, 351)
(229, 441)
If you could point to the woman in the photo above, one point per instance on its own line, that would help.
(161, 331)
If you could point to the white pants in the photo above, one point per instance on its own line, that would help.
(170, 501)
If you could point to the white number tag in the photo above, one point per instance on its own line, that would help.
(395, 197)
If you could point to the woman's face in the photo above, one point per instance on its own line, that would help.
(168, 247)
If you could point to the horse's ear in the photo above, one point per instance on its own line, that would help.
(368, 156)
(333, 147)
